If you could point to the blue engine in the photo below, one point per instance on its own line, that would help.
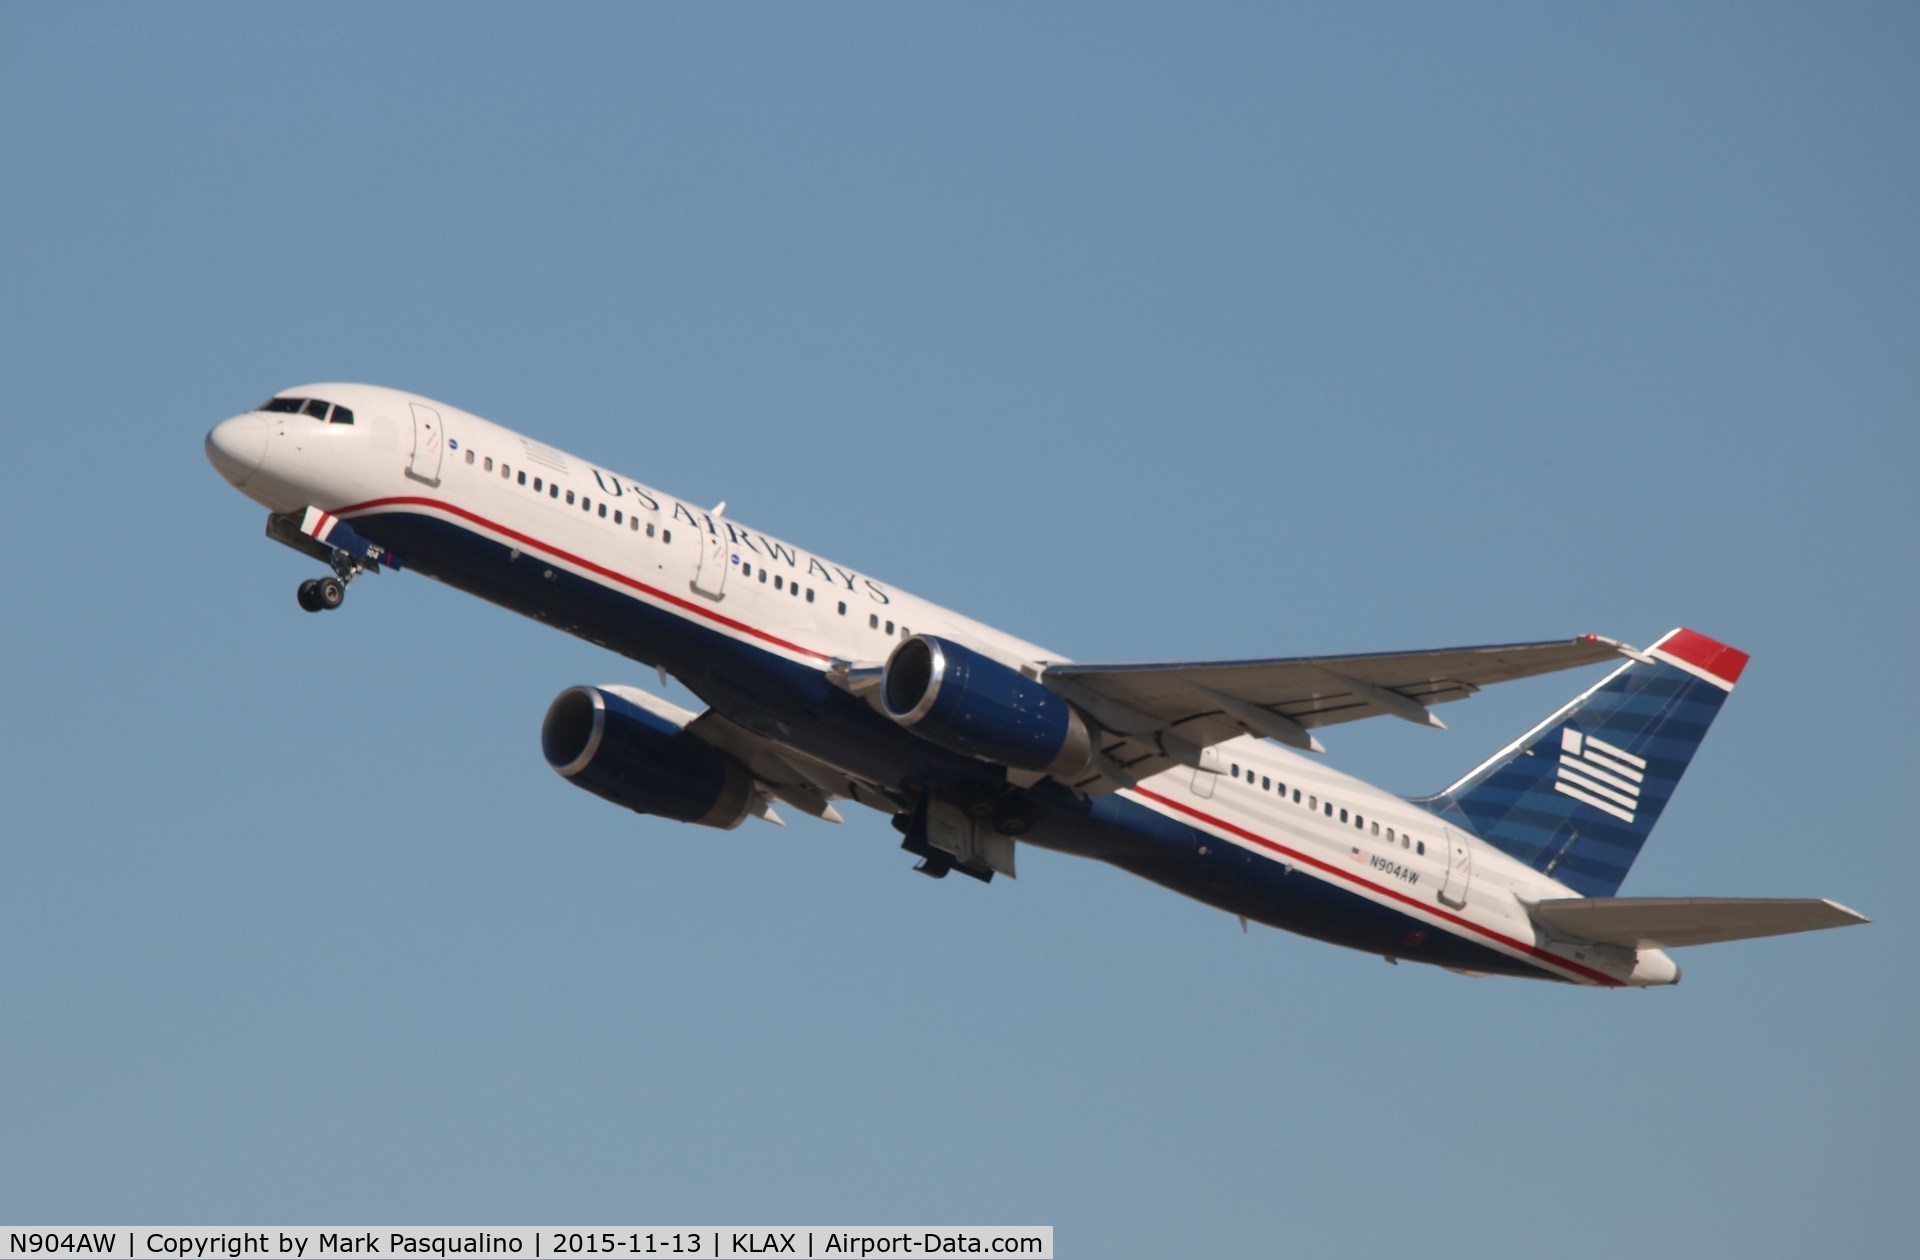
(644, 761)
(969, 703)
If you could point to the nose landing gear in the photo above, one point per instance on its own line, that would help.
(326, 537)
(327, 593)
(321, 594)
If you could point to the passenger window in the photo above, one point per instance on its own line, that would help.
(634, 524)
(777, 584)
(619, 518)
(793, 589)
(843, 608)
(1329, 809)
(1389, 835)
(586, 504)
(1236, 769)
(1359, 822)
(763, 575)
(746, 570)
(553, 491)
(649, 529)
(1423, 848)
(889, 627)
(603, 511)
(316, 409)
(1343, 815)
(342, 416)
(522, 475)
(488, 465)
(506, 473)
(1376, 827)
(569, 498)
(666, 535)
(1266, 784)
(1296, 796)
(809, 594)
(1403, 842)
(873, 621)
(1313, 802)
(469, 456)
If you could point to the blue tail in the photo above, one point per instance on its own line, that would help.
(1577, 795)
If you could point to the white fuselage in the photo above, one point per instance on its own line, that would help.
(404, 455)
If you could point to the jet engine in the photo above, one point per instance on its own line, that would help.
(969, 703)
(643, 758)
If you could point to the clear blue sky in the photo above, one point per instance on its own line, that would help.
(1140, 332)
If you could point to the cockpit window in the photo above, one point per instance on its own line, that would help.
(315, 407)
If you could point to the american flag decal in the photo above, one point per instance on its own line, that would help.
(1594, 771)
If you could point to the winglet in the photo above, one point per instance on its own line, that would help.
(1703, 657)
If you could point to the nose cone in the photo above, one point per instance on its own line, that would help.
(235, 447)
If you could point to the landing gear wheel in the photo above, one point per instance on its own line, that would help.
(328, 592)
(308, 597)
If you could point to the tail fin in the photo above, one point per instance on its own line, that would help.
(1576, 796)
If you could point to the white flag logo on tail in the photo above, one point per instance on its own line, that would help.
(1596, 772)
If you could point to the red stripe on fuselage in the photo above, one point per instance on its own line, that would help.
(1350, 877)
(584, 563)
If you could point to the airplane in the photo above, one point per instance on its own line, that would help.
(824, 684)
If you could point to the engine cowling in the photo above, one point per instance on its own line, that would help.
(972, 704)
(643, 760)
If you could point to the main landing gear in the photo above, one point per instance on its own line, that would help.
(327, 593)
(971, 832)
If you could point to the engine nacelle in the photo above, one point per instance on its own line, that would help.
(972, 704)
(643, 759)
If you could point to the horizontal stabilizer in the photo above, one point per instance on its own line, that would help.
(1668, 922)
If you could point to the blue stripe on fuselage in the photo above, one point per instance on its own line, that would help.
(793, 703)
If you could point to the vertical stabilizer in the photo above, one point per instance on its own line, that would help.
(1577, 795)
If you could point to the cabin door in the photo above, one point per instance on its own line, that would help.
(1459, 870)
(1207, 773)
(715, 559)
(429, 443)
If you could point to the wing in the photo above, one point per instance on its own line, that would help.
(779, 773)
(808, 785)
(1154, 716)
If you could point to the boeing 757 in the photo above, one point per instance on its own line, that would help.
(824, 684)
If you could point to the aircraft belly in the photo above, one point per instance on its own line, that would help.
(791, 703)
